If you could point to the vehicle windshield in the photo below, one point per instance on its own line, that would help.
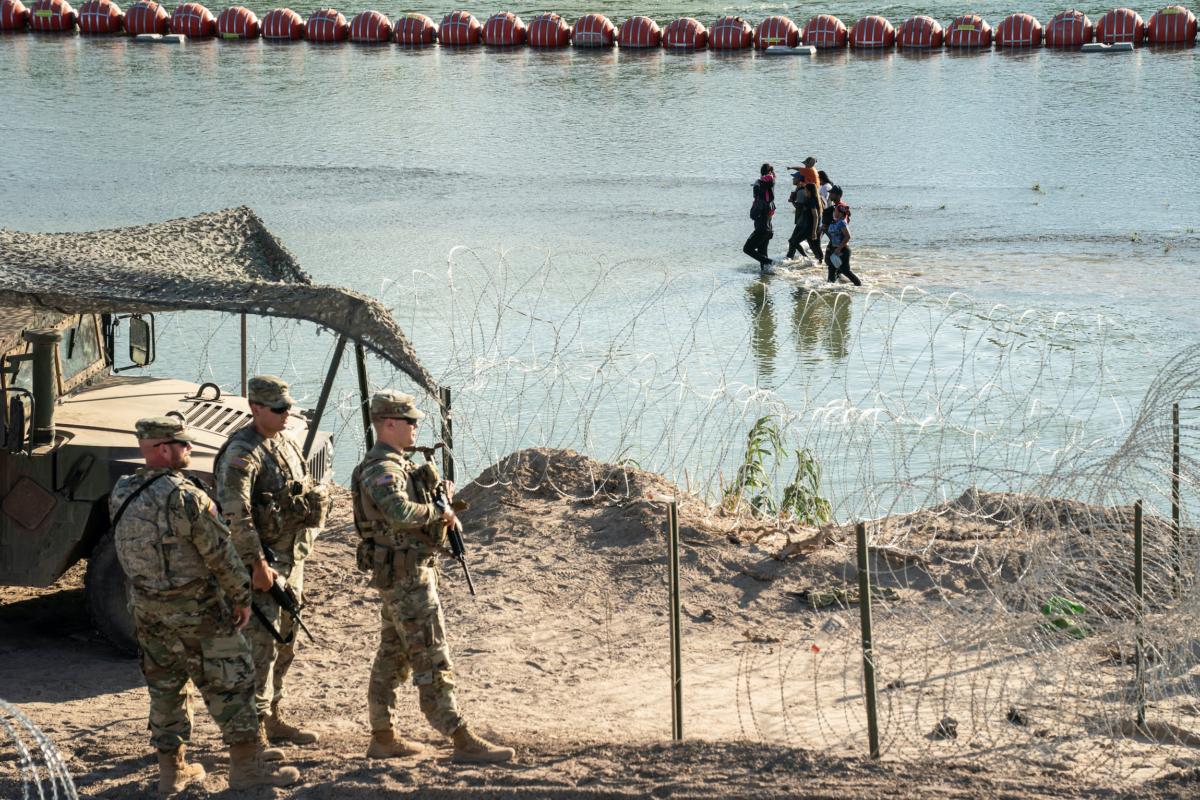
(79, 348)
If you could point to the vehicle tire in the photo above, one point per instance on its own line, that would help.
(107, 594)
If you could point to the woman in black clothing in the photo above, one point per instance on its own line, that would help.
(761, 212)
(808, 221)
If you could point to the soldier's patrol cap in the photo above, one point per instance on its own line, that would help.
(267, 390)
(390, 404)
(168, 429)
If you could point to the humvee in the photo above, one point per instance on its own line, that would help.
(70, 399)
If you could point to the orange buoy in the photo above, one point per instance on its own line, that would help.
(326, 25)
(1019, 30)
(872, 32)
(193, 21)
(920, 31)
(640, 32)
(776, 31)
(237, 22)
(370, 27)
(283, 23)
(459, 28)
(14, 16)
(1121, 25)
(504, 29)
(594, 30)
(100, 16)
(52, 16)
(730, 33)
(1068, 29)
(825, 32)
(147, 16)
(549, 30)
(968, 31)
(414, 30)
(685, 33)
(1170, 25)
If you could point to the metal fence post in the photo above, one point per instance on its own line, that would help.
(864, 610)
(364, 397)
(672, 531)
(1176, 531)
(447, 435)
(1139, 595)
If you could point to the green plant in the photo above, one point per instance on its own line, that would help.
(802, 499)
(751, 487)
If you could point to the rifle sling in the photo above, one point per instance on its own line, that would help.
(121, 511)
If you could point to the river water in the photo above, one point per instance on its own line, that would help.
(590, 208)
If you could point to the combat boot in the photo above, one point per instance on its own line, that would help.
(246, 769)
(174, 773)
(278, 729)
(386, 744)
(265, 751)
(472, 748)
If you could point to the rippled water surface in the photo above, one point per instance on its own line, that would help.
(1058, 181)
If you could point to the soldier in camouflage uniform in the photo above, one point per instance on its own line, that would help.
(402, 532)
(269, 501)
(190, 599)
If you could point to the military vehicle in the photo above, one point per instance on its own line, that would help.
(71, 395)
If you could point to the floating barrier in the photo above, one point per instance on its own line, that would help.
(1019, 30)
(283, 23)
(459, 28)
(594, 30)
(147, 16)
(731, 33)
(1069, 29)
(549, 30)
(1171, 25)
(1099, 47)
(52, 16)
(504, 29)
(326, 25)
(685, 33)
(237, 22)
(776, 31)
(370, 27)
(872, 32)
(414, 30)
(100, 17)
(193, 21)
(639, 32)
(920, 32)
(825, 32)
(1119, 26)
(14, 16)
(968, 32)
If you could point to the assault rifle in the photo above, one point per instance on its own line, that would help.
(285, 597)
(454, 533)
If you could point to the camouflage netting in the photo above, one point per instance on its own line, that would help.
(220, 261)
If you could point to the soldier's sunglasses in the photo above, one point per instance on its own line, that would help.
(280, 409)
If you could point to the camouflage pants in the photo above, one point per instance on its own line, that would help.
(272, 659)
(182, 639)
(413, 642)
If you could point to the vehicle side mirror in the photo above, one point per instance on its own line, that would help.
(141, 341)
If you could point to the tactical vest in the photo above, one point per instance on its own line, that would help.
(372, 524)
(152, 537)
(278, 511)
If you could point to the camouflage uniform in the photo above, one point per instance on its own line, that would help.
(402, 533)
(269, 499)
(184, 575)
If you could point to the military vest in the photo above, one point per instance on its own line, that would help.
(280, 496)
(415, 482)
(152, 538)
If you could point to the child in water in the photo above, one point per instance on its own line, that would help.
(838, 256)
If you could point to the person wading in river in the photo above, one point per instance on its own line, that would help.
(808, 219)
(761, 211)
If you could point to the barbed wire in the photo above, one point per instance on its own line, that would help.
(40, 770)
